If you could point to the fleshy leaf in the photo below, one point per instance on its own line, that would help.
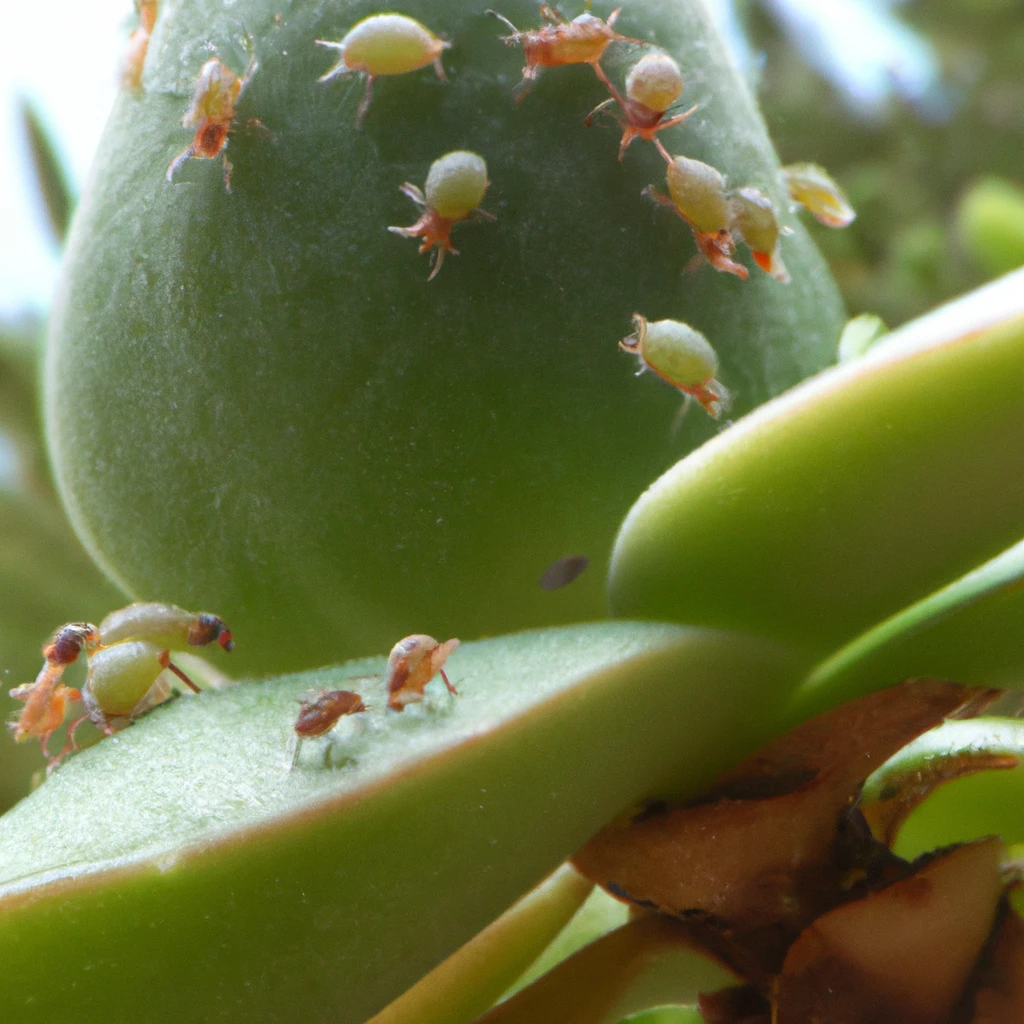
(850, 497)
(968, 630)
(473, 977)
(642, 964)
(186, 848)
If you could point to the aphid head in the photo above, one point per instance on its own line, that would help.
(456, 184)
(634, 342)
(655, 82)
(69, 641)
(207, 628)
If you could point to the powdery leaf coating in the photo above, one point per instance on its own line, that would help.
(699, 193)
(677, 352)
(456, 184)
(389, 44)
(813, 188)
(655, 81)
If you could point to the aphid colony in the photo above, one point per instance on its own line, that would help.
(413, 662)
(127, 655)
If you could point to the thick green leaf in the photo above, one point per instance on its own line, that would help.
(51, 178)
(258, 405)
(850, 497)
(968, 631)
(646, 963)
(183, 848)
(985, 804)
(472, 978)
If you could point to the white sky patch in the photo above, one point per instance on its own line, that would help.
(64, 55)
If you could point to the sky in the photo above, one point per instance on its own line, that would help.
(64, 55)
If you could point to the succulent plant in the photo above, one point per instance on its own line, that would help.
(256, 404)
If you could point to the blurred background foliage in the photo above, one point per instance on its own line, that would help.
(931, 160)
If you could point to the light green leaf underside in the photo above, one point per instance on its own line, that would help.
(967, 631)
(850, 497)
(985, 804)
(473, 977)
(643, 964)
(184, 847)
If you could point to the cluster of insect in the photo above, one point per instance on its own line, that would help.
(719, 216)
(128, 658)
(413, 662)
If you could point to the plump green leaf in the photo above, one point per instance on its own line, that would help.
(966, 631)
(646, 963)
(473, 977)
(850, 497)
(258, 405)
(184, 847)
(984, 804)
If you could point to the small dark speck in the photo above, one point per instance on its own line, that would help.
(562, 572)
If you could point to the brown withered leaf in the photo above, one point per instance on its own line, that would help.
(778, 840)
(902, 955)
(999, 990)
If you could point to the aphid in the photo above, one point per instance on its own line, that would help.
(653, 84)
(321, 714)
(212, 110)
(138, 44)
(456, 183)
(753, 218)
(412, 663)
(681, 356)
(385, 44)
(580, 41)
(698, 194)
(811, 186)
(563, 571)
(127, 655)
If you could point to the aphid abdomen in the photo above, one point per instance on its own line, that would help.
(813, 188)
(679, 354)
(390, 44)
(120, 676)
(456, 183)
(699, 194)
(166, 625)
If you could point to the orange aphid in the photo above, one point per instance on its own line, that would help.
(138, 44)
(653, 84)
(211, 112)
(412, 663)
(321, 714)
(580, 41)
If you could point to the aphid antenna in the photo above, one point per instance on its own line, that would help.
(677, 420)
(415, 193)
(295, 754)
(511, 41)
(660, 146)
(601, 106)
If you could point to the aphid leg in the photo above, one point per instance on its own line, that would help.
(448, 683)
(438, 66)
(480, 214)
(678, 119)
(606, 82)
(665, 154)
(677, 420)
(661, 198)
(181, 158)
(509, 41)
(339, 69)
(364, 103)
(227, 170)
(438, 258)
(612, 18)
(717, 248)
(165, 660)
(254, 64)
(521, 91)
(416, 195)
(590, 117)
(295, 754)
